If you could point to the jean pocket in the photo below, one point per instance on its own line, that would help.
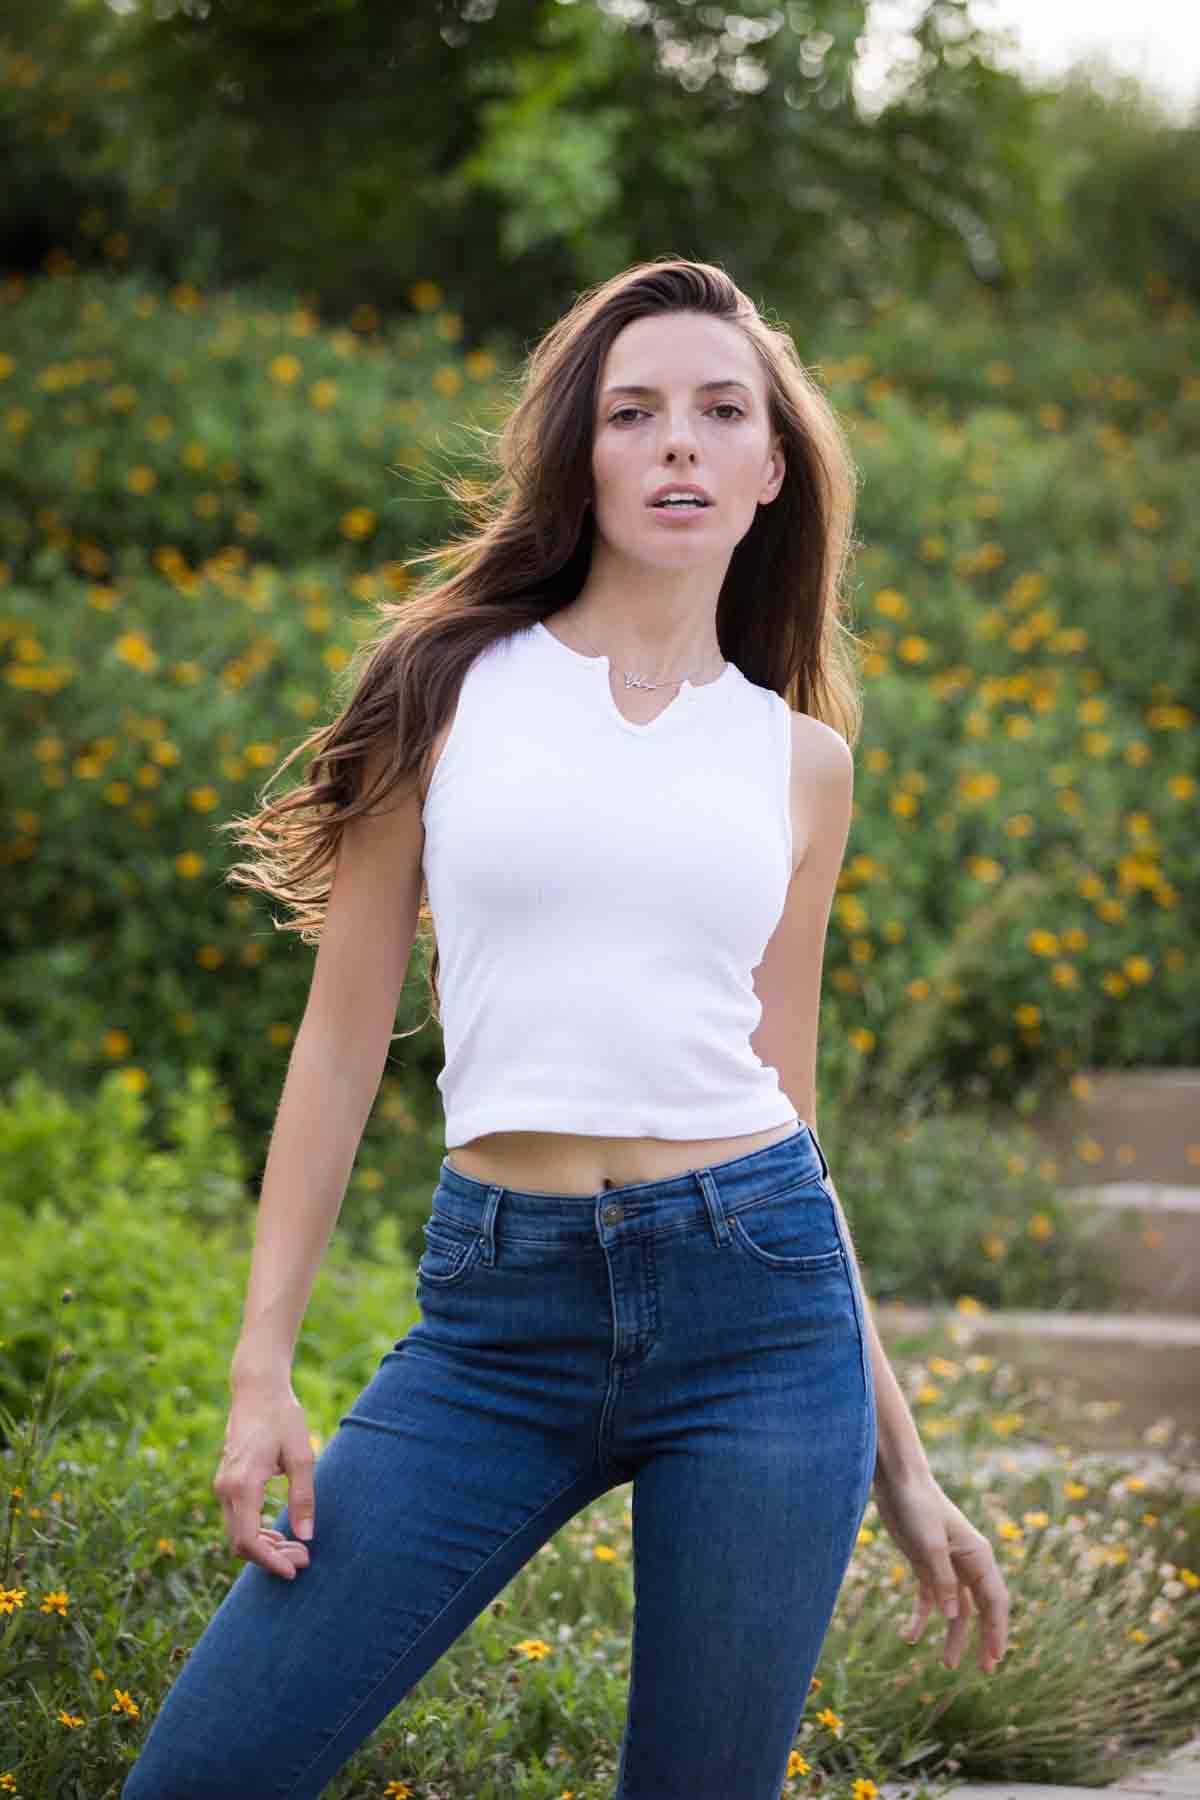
(451, 1252)
(795, 1230)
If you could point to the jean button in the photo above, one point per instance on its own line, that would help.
(612, 1215)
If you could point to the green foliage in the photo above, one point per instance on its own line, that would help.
(181, 428)
(520, 152)
(1027, 776)
(151, 1243)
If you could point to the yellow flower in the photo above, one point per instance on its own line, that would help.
(133, 648)
(359, 522)
(55, 1602)
(827, 1716)
(984, 868)
(913, 649)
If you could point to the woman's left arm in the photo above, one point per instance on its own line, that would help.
(955, 1565)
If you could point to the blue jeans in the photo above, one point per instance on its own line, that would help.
(702, 1337)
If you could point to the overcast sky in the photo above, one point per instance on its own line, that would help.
(1157, 40)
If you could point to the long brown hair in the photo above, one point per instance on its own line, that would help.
(779, 615)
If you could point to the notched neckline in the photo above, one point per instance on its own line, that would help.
(682, 703)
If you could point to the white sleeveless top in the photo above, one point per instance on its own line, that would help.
(601, 893)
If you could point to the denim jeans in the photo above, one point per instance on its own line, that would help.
(702, 1337)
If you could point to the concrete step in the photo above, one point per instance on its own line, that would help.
(1111, 1376)
(1155, 1252)
(1175, 1776)
(1124, 1124)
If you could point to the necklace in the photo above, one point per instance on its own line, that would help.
(639, 681)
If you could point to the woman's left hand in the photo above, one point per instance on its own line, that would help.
(953, 1562)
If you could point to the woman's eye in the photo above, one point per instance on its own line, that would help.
(722, 405)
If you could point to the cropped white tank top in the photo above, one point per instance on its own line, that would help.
(601, 893)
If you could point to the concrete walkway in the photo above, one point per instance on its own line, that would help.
(1176, 1777)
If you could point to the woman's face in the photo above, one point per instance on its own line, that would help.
(679, 428)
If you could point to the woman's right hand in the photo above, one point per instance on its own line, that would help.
(266, 1436)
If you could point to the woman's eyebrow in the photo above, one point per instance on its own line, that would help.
(654, 393)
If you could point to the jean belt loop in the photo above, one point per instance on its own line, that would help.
(487, 1225)
(716, 1209)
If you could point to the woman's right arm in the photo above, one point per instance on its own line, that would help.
(333, 1077)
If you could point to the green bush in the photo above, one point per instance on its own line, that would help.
(153, 1246)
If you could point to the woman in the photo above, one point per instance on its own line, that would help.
(601, 745)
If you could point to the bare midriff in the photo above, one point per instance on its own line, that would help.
(563, 1162)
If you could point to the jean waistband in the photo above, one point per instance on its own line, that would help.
(652, 1206)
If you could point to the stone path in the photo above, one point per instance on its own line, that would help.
(1175, 1777)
